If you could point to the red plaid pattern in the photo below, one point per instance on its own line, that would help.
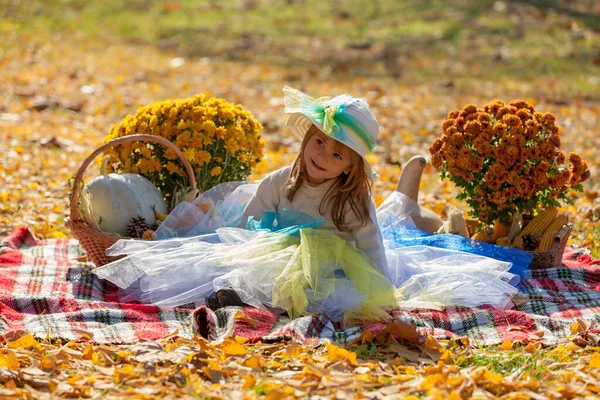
(46, 291)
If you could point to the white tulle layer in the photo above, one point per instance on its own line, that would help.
(182, 270)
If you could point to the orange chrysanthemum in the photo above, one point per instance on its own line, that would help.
(505, 158)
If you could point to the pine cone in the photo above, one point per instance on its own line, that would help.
(531, 241)
(137, 226)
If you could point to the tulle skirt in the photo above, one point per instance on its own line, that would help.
(285, 263)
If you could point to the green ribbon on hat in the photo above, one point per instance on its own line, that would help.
(330, 117)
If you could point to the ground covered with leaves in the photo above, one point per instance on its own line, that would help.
(374, 367)
(64, 86)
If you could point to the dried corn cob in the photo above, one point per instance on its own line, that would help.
(500, 230)
(549, 235)
(486, 234)
(503, 241)
(537, 225)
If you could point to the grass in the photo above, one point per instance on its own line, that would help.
(503, 38)
(505, 363)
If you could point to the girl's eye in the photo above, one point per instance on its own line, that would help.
(319, 142)
(338, 156)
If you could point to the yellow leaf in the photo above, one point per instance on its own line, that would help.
(573, 347)
(454, 396)
(241, 340)
(311, 369)
(253, 362)
(57, 235)
(249, 382)
(576, 327)
(88, 352)
(294, 351)
(433, 348)
(493, 377)
(365, 337)
(432, 343)
(274, 365)
(232, 348)
(446, 358)
(595, 361)
(276, 395)
(434, 380)
(24, 342)
(531, 347)
(47, 363)
(123, 372)
(364, 378)
(240, 316)
(455, 380)
(506, 345)
(123, 355)
(9, 360)
(337, 353)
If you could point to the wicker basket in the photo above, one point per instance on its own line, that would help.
(94, 241)
(541, 259)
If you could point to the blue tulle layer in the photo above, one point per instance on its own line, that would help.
(403, 233)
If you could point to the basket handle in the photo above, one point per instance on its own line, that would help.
(74, 198)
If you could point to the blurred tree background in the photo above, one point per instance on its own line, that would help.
(482, 39)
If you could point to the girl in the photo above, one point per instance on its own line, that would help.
(307, 238)
(330, 176)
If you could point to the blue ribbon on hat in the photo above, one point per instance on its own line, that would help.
(328, 116)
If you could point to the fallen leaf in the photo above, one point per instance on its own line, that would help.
(312, 369)
(254, 363)
(47, 364)
(402, 330)
(26, 341)
(337, 353)
(249, 382)
(232, 348)
(506, 345)
(9, 360)
(364, 338)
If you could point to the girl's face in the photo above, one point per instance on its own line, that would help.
(326, 158)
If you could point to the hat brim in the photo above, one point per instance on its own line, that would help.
(300, 124)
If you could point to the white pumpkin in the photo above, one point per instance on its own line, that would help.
(108, 202)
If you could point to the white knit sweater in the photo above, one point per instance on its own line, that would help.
(271, 196)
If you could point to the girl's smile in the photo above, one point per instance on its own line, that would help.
(317, 165)
(326, 158)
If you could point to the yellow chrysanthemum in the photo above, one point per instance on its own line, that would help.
(211, 132)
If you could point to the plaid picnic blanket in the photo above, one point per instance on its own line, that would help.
(46, 290)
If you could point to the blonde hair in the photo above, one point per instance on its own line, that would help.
(350, 191)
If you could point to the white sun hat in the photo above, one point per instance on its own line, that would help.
(345, 118)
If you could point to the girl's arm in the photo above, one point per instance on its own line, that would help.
(368, 238)
(266, 198)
